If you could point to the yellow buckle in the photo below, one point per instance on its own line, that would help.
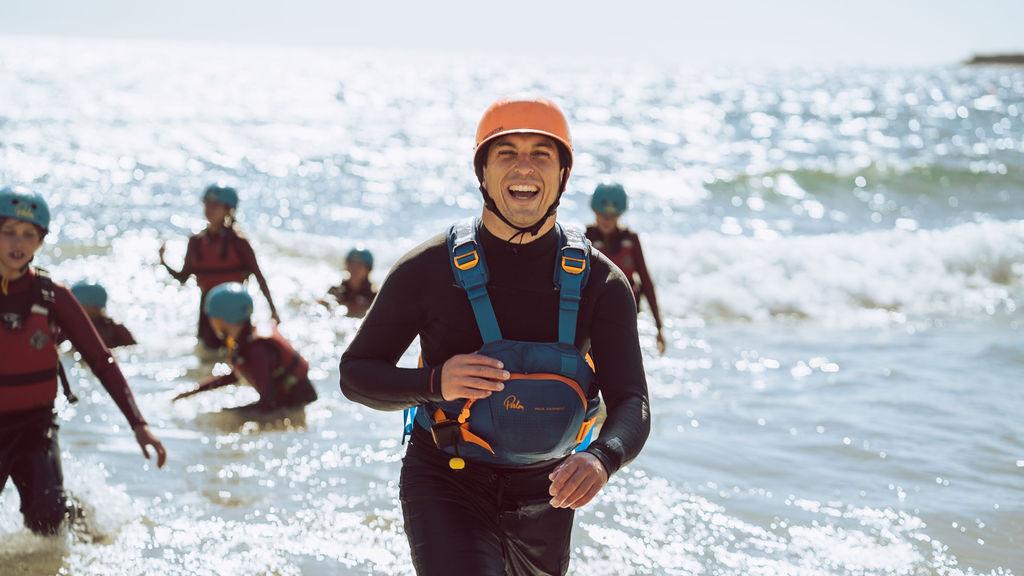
(570, 265)
(467, 261)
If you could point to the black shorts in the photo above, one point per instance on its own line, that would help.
(481, 521)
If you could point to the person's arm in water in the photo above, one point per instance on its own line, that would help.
(75, 324)
(209, 384)
(249, 257)
(182, 275)
(647, 288)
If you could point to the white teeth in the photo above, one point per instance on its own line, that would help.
(523, 188)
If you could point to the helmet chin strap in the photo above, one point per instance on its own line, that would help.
(532, 229)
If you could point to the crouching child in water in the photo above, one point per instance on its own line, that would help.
(267, 362)
(93, 298)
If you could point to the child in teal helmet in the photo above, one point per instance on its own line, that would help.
(93, 298)
(218, 254)
(268, 362)
(622, 246)
(34, 312)
(356, 293)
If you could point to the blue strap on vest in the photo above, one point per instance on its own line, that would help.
(470, 271)
(571, 274)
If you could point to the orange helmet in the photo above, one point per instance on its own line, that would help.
(533, 116)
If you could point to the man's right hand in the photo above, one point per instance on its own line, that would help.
(472, 376)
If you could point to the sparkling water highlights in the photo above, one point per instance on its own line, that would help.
(838, 253)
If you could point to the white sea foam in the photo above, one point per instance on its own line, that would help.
(973, 268)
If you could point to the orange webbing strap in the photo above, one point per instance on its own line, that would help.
(464, 432)
(585, 429)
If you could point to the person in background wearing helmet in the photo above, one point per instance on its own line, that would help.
(93, 299)
(34, 311)
(622, 246)
(268, 362)
(217, 255)
(356, 293)
(505, 307)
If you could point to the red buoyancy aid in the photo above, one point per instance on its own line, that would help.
(215, 261)
(28, 366)
(289, 368)
(624, 257)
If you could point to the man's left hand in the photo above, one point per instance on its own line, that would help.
(575, 482)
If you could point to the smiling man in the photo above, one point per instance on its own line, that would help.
(522, 328)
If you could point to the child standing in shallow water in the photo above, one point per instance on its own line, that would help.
(217, 255)
(34, 312)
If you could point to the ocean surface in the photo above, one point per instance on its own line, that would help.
(838, 253)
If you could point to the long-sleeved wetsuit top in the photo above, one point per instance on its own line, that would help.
(74, 324)
(222, 256)
(623, 248)
(420, 298)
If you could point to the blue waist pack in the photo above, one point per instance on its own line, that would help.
(549, 405)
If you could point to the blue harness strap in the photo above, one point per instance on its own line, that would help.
(470, 271)
(572, 269)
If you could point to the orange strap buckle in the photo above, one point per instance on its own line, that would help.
(467, 261)
(573, 265)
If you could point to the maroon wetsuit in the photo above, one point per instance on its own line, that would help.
(73, 324)
(29, 452)
(272, 366)
(357, 300)
(215, 258)
(623, 248)
(113, 334)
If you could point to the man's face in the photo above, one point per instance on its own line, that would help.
(18, 243)
(522, 175)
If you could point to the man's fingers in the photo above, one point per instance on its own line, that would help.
(583, 494)
(481, 384)
(473, 394)
(565, 491)
(480, 360)
(486, 372)
(560, 476)
(145, 450)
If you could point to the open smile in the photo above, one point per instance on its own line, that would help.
(523, 192)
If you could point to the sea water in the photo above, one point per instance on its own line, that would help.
(838, 255)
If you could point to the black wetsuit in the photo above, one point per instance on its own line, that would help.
(489, 520)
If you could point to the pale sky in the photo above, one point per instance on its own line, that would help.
(780, 32)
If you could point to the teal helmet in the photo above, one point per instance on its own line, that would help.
(226, 195)
(360, 255)
(90, 294)
(21, 204)
(229, 302)
(609, 199)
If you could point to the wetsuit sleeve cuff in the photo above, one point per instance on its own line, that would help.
(434, 384)
(606, 456)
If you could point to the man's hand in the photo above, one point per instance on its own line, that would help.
(661, 343)
(576, 481)
(163, 249)
(472, 376)
(146, 438)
